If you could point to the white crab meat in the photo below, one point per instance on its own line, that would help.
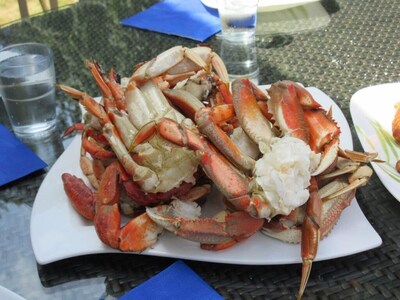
(168, 216)
(284, 174)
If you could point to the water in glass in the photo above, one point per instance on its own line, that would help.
(28, 92)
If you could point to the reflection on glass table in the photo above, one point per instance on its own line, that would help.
(294, 19)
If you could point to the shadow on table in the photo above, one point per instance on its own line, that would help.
(295, 19)
(122, 272)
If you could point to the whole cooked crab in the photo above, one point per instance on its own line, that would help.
(128, 167)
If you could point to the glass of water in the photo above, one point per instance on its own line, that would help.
(238, 46)
(240, 59)
(27, 88)
(238, 19)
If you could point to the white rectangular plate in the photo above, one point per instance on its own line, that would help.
(372, 110)
(58, 232)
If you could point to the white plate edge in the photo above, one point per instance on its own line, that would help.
(360, 113)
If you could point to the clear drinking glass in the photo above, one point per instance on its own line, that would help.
(238, 46)
(27, 79)
(240, 59)
(238, 19)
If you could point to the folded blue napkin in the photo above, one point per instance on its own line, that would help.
(16, 159)
(185, 18)
(176, 282)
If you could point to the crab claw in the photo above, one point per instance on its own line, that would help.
(287, 110)
(220, 232)
(80, 194)
(181, 60)
(357, 179)
(75, 127)
(249, 113)
(328, 157)
(139, 234)
(305, 98)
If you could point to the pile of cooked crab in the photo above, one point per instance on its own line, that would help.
(158, 141)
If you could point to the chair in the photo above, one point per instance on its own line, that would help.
(23, 7)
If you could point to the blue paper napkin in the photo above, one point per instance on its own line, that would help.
(177, 282)
(16, 159)
(185, 18)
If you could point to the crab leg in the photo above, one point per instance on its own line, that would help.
(359, 178)
(127, 131)
(136, 101)
(196, 193)
(232, 184)
(238, 225)
(343, 166)
(249, 114)
(331, 210)
(208, 119)
(216, 233)
(181, 60)
(333, 206)
(90, 168)
(88, 102)
(159, 65)
(364, 157)
(322, 129)
(201, 56)
(73, 128)
(168, 80)
(81, 196)
(107, 219)
(102, 207)
(311, 234)
(306, 100)
(146, 178)
(247, 110)
(116, 90)
(324, 135)
(101, 79)
(328, 156)
(214, 164)
(287, 111)
(112, 92)
(165, 61)
(160, 104)
(188, 103)
(150, 101)
(95, 150)
(194, 59)
(220, 68)
(298, 114)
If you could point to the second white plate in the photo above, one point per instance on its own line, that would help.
(266, 5)
(58, 232)
(372, 110)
